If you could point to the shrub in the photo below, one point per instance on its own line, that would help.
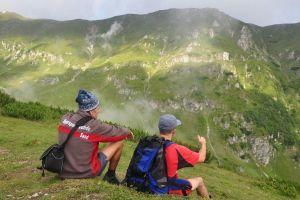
(296, 156)
(28, 110)
(32, 111)
(5, 99)
(23, 110)
(138, 134)
(284, 187)
(272, 116)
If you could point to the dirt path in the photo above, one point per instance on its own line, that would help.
(210, 144)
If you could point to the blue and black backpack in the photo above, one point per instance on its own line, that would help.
(147, 171)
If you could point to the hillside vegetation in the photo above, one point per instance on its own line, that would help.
(235, 83)
(22, 141)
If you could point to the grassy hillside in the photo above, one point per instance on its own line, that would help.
(233, 82)
(22, 142)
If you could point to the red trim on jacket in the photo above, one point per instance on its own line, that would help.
(95, 163)
(93, 137)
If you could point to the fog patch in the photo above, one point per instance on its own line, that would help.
(114, 30)
(24, 92)
(90, 40)
(136, 114)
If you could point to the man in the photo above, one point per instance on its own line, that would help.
(82, 158)
(178, 157)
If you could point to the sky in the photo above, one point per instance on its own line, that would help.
(259, 12)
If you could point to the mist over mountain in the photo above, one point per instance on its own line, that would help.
(233, 82)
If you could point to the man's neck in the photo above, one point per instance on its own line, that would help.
(167, 137)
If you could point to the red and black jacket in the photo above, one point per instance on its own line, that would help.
(178, 157)
(81, 152)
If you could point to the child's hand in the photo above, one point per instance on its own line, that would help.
(201, 139)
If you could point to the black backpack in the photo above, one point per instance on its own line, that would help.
(53, 158)
(147, 169)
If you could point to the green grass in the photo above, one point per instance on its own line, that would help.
(22, 142)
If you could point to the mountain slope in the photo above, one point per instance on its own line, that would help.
(223, 78)
(5, 15)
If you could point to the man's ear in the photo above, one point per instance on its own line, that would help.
(91, 113)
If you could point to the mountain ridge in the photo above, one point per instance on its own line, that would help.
(18, 16)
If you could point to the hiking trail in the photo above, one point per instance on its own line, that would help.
(210, 144)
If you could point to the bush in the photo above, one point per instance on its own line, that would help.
(32, 111)
(23, 110)
(5, 99)
(272, 116)
(29, 110)
(138, 134)
(284, 187)
(296, 156)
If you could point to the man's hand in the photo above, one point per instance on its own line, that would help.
(201, 139)
(131, 137)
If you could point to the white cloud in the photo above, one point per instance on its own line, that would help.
(115, 29)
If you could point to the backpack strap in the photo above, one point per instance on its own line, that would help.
(80, 122)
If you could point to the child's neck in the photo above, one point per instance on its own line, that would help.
(167, 137)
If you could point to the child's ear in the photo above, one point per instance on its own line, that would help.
(173, 132)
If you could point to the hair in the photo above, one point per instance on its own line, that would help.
(166, 132)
